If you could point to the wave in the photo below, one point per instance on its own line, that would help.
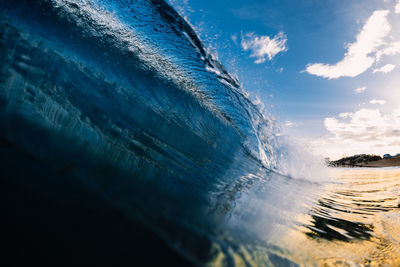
(117, 105)
(122, 97)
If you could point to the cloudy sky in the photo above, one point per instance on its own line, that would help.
(328, 70)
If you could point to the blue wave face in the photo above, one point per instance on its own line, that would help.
(122, 97)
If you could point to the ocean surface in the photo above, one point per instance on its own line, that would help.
(122, 140)
(354, 221)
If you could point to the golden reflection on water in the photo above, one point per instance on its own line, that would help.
(354, 222)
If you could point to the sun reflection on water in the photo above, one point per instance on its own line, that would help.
(355, 221)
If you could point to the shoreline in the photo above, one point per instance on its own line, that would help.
(391, 162)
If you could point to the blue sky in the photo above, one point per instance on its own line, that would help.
(327, 70)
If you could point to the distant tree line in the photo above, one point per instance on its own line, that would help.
(354, 161)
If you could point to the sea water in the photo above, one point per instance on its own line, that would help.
(354, 220)
(122, 138)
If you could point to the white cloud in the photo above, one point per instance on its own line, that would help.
(397, 7)
(263, 47)
(288, 123)
(363, 131)
(345, 115)
(390, 50)
(358, 57)
(360, 90)
(385, 69)
(377, 101)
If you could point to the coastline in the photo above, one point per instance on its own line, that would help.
(391, 162)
